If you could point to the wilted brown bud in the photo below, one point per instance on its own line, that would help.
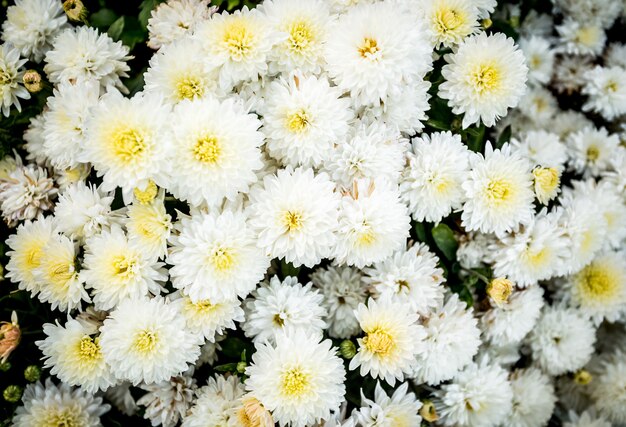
(10, 335)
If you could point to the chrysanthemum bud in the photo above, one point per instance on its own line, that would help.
(5, 366)
(12, 393)
(583, 377)
(428, 411)
(486, 23)
(10, 335)
(547, 182)
(32, 373)
(500, 289)
(347, 349)
(146, 195)
(75, 10)
(253, 413)
(32, 81)
(241, 367)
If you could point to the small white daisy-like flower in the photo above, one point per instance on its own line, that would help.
(401, 409)
(568, 122)
(214, 257)
(217, 403)
(208, 318)
(585, 37)
(278, 306)
(300, 379)
(75, 356)
(533, 398)
(149, 226)
(479, 395)
(115, 270)
(603, 13)
(539, 57)
(606, 91)
(50, 405)
(539, 106)
(343, 290)
(375, 49)
(305, 22)
(11, 73)
(59, 281)
(498, 191)
(371, 151)
(303, 118)
(239, 43)
(147, 340)
(484, 77)
(450, 21)
(393, 339)
(586, 419)
(32, 25)
(373, 223)
(562, 340)
(179, 71)
(431, 182)
(167, 402)
(295, 214)
(615, 55)
(84, 210)
(542, 148)
(591, 150)
(452, 339)
(569, 73)
(509, 322)
(176, 19)
(214, 151)
(26, 250)
(126, 140)
(607, 388)
(82, 54)
(410, 277)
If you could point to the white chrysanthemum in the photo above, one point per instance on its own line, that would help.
(480, 395)
(25, 252)
(484, 77)
(373, 223)
(176, 19)
(67, 177)
(539, 57)
(601, 12)
(278, 306)
(449, 21)
(606, 89)
(126, 140)
(305, 22)
(50, 406)
(149, 226)
(473, 249)
(599, 289)
(115, 270)
(167, 402)
(11, 73)
(542, 148)
(509, 322)
(539, 106)
(607, 389)
(393, 339)
(84, 210)
(615, 55)
(569, 73)
(214, 151)
(300, 379)
(562, 340)
(295, 214)
(216, 403)
(498, 191)
(303, 118)
(208, 318)
(343, 290)
(32, 25)
(75, 356)
(34, 140)
(431, 183)
(586, 419)
(485, 7)
(533, 398)
(59, 281)
(239, 43)
(401, 409)
(568, 122)
(214, 257)
(452, 340)
(371, 151)
(410, 277)
(147, 340)
(374, 50)
(533, 252)
(535, 23)
(179, 71)
(122, 399)
(586, 37)
(83, 54)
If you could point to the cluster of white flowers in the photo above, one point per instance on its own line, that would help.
(267, 183)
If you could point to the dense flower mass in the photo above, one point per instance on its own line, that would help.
(313, 213)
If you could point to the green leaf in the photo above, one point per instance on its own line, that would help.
(504, 137)
(116, 29)
(445, 241)
(103, 18)
(420, 231)
(288, 269)
(133, 32)
(232, 347)
(227, 367)
(145, 10)
(476, 138)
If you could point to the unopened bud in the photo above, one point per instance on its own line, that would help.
(32, 81)
(10, 336)
(146, 195)
(32, 373)
(5, 366)
(499, 290)
(582, 377)
(428, 412)
(75, 10)
(241, 367)
(12, 393)
(486, 23)
(347, 349)
(547, 181)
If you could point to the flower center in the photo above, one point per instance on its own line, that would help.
(447, 20)
(301, 36)
(485, 78)
(62, 417)
(498, 190)
(582, 377)
(238, 39)
(129, 144)
(147, 195)
(145, 341)
(123, 266)
(223, 259)
(593, 153)
(189, 88)
(88, 349)
(596, 282)
(368, 48)
(298, 121)
(60, 272)
(207, 149)
(587, 36)
(295, 382)
(293, 221)
(379, 342)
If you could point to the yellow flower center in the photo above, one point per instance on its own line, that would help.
(293, 221)
(379, 342)
(207, 149)
(129, 144)
(485, 78)
(223, 259)
(301, 36)
(298, 121)
(32, 255)
(593, 153)
(61, 417)
(498, 190)
(597, 282)
(295, 382)
(189, 88)
(146, 341)
(366, 237)
(60, 272)
(88, 349)
(238, 38)
(147, 195)
(199, 308)
(447, 20)
(587, 36)
(582, 377)
(611, 86)
(123, 267)
(368, 48)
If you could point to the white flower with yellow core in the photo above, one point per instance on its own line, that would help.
(176, 19)
(75, 356)
(484, 77)
(148, 340)
(300, 379)
(11, 73)
(217, 404)
(209, 318)
(392, 341)
(581, 37)
(149, 226)
(547, 182)
(401, 409)
(214, 257)
(450, 21)
(591, 150)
